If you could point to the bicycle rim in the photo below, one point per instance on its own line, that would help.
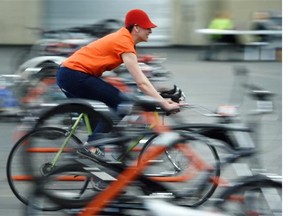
(64, 116)
(73, 194)
(31, 156)
(169, 166)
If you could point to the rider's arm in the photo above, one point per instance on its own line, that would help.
(143, 83)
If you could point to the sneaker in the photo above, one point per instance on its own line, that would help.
(92, 149)
(96, 156)
(97, 151)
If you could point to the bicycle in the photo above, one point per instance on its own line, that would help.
(132, 138)
(49, 140)
(216, 131)
(111, 199)
(47, 137)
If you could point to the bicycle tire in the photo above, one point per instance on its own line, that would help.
(66, 193)
(164, 164)
(63, 114)
(116, 209)
(143, 184)
(249, 197)
(49, 188)
(22, 166)
(38, 199)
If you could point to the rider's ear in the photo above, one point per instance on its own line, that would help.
(136, 28)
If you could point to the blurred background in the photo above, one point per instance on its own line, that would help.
(22, 20)
(42, 33)
(32, 29)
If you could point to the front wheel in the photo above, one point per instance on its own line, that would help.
(181, 174)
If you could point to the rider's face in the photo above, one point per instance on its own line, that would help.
(143, 33)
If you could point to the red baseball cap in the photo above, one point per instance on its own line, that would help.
(138, 17)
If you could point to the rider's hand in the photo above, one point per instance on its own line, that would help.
(170, 106)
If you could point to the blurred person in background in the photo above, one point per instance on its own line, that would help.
(223, 21)
(79, 76)
(261, 21)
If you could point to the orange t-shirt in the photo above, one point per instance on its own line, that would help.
(102, 55)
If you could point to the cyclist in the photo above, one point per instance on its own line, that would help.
(79, 76)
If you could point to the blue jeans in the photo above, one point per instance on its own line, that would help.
(77, 84)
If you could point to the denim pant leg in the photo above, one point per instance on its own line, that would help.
(81, 85)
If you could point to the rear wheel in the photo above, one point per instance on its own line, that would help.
(64, 115)
(69, 186)
(33, 155)
(38, 202)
